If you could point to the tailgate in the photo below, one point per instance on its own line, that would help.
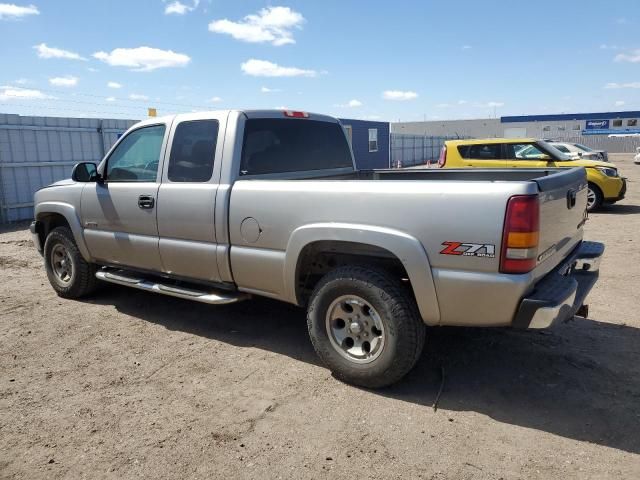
(563, 203)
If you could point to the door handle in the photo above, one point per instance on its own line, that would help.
(146, 201)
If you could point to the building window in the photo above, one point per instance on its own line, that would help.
(561, 128)
(546, 128)
(617, 123)
(576, 126)
(632, 123)
(373, 140)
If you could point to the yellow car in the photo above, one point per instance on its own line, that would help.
(605, 185)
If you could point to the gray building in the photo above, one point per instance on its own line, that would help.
(591, 129)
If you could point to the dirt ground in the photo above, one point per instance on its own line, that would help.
(130, 384)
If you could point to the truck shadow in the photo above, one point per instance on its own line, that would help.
(618, 210)
(580, 380)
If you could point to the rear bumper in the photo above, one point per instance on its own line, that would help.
(35, 236)
(561, 293)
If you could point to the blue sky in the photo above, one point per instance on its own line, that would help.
(405, 60)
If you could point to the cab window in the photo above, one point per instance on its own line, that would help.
(137, 156)
(193, 151)
(283, 145)
(491, 151)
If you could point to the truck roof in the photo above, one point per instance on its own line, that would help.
(271, 113)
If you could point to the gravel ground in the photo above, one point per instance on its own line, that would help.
(129, 384)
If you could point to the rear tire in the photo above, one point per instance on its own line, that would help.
(594, 197)
(70, 275)
(365, 326)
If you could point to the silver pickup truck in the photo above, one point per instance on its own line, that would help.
(219, 206)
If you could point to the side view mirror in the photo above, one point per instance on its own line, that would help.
(85, 172)
(546, 158)
(579, 154)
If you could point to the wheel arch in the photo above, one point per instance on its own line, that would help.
(58, 214)
(390, 248)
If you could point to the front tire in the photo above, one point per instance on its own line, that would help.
(70, 275)
(594, 197)
(365, 326)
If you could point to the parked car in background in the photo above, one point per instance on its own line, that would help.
(581, 151)
(636, 159)
(605, 184)
(218, 206)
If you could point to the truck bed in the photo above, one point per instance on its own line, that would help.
(461, 206)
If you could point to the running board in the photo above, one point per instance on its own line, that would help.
(213, 297)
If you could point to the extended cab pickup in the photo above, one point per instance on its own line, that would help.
(218, 206)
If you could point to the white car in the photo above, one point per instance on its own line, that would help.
(636, 159)
(578, 150)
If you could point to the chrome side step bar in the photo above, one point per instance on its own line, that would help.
(213, 297)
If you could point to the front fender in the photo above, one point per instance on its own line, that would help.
(405, 247)
(72, 217)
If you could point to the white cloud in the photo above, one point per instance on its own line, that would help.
(66, 81)
(399, 95)
(462, 102)
(179, 8)
(466, 47)
(269, 90)
(50, 52)
(495, 104)
(605, 46)
(111, 99)
(10, 11)
(143, 59)
(93, 70)
(13, 93)
(263, 68)
(443, 105)
(22, 81)
(137, 96)
(114, 85)
(370, 117)
(270, 25)
(215, 100)
(633, 56)
(619, 103)
(623, 85)
(350, 104)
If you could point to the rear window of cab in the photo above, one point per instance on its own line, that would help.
(274, 145)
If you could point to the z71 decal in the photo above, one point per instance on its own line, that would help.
(469, 249)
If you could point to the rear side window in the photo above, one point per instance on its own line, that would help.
(562, 148)
(193, 151)
(480, 152)
(274, 145)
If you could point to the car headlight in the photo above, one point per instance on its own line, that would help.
(609, 172)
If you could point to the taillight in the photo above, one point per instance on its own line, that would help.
(295, 114)
(520, 235)
(442, 159)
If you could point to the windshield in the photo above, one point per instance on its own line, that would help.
(554, 151)
(584, 148)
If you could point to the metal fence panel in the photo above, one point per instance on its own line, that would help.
(37, 151)
(603, 142)
(410, 150)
